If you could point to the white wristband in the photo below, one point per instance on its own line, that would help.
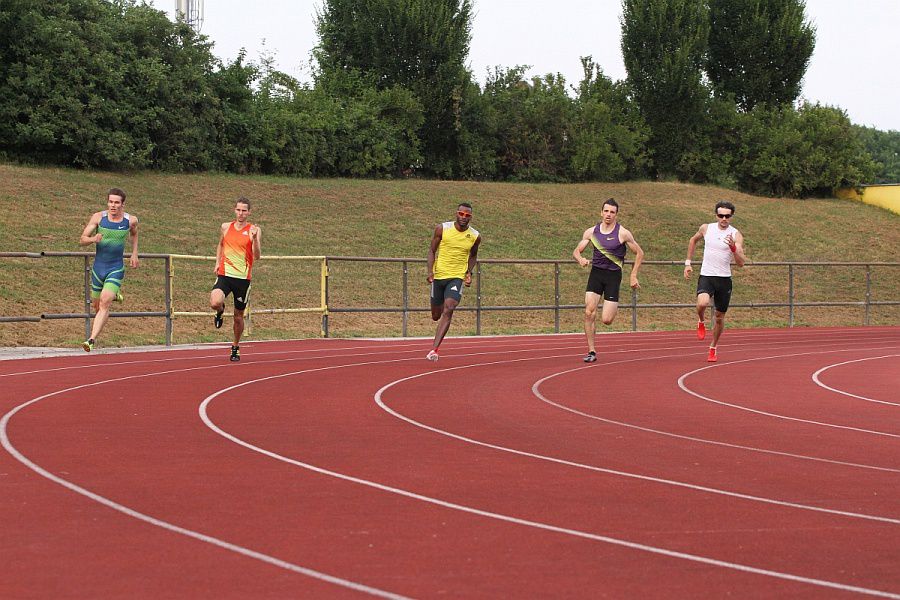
(687, 263)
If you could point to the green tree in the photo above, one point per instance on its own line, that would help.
(798, 153)
(421, 45)
(93, 83)
(884, 146)
(759, 50)
(663, 46)
(609, 135)
(533, 123)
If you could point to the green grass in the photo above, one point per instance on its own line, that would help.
(46, 209)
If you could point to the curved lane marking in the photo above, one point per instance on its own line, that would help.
(684, 387)
(507, 518)
(535, 389)
(815, 378)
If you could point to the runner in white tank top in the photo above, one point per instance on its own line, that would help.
(722, 245)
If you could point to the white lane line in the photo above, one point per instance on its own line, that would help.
(535, 389)
(204, 415)
(815, 378)
(415, 347)
(380, 402)
(250, 553)
(168, 526)
(684, 387)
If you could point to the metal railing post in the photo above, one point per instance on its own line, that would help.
(87, 298)
(405, 296)
(168, 268)
(790, 295)
(478, 299)
(633, 309)
(556, 297)
(324, 285)
(868, 292)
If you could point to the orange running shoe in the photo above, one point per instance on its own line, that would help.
(701, 330)
(713, 357)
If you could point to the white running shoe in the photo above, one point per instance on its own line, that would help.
(432, 355)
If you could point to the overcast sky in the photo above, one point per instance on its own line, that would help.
(854, 66)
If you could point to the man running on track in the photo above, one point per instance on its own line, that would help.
(722, 245)
(109, 229)
(609, 240)
(239, 246)
(456, 245)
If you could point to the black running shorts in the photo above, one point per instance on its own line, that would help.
(441, 289)
(605, 282)
(719, 288)
(232, 285)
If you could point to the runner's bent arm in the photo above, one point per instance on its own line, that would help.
(88, 236)
(133, 232)
(220, 253)
(692, 243)
(585, 240)
(473, 258)
(739, 257)
(432, 250)
(255, 235)
(638, 256)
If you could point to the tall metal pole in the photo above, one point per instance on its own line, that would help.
(477, 298)
(556, 297)
(405, 296)
(87, 298)
(790, 295)
(868, 291)
(168, 267)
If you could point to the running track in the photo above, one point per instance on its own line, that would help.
(355, 468)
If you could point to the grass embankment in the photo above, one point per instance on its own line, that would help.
(46, 209)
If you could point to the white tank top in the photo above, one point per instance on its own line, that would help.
(717, 256)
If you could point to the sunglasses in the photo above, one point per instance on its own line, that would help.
(464, 215)
(721, 216)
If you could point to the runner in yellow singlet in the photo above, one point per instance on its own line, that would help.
(455, 244)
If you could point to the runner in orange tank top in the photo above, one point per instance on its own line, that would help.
(239, 246)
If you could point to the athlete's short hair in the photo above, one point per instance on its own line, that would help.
(243, 200)
(611, 202)
(466, 204)
(116, 192)
(725, 204)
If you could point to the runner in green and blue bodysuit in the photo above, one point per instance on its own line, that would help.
(109, 229)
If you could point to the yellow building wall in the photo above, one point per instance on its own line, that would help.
(886, 196)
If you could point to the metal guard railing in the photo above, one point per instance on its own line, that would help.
(170, 313)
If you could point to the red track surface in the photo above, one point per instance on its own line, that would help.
(344, 468)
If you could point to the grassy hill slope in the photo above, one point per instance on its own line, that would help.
(46, 209)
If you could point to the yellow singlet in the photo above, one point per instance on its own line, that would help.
(453, 252)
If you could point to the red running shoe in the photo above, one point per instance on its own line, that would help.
(432, 355)
(701, 330)
(713, 357)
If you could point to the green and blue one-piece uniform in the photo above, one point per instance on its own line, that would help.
(109, 264)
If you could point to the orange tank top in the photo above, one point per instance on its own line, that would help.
(237, 252)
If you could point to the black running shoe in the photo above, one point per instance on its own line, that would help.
(590, 357)
(235, 354)
(217, 320)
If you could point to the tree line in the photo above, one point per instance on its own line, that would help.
(710, 97)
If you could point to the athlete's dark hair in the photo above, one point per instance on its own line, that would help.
(466, 204)
(244, 200)
(611, 202)
(724, 204)
(116, 192)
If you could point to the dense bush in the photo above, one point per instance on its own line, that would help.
(787, 152)
(116, 85)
